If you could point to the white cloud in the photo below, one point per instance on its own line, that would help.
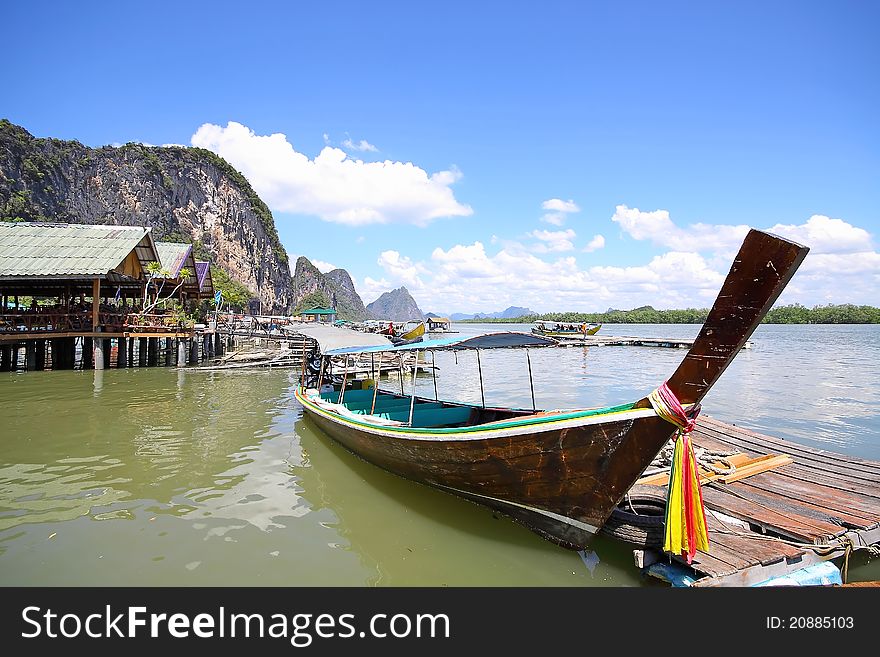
(372, 289)
(841, 267)
(825, 235)
(323, 267)
(560, 206)
(465, 278)
(553, 241)
(595, 244)
(362, 145)
(554, 218)
(401, 268)
(658, 228)
(332, 186)
(559, 211)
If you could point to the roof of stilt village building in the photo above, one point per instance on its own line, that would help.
(50, 256)
(71, 251)
(175, 256)
(206, 283)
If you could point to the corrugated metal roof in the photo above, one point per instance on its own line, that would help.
(206, 283)
(173, 256)
(43, 249)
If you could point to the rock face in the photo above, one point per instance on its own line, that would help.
(308, 280)
(349, 304)
(397, 305)
(190, 192)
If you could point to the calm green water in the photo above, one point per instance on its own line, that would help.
(159, 476)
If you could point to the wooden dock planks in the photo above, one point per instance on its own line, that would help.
(819, 498)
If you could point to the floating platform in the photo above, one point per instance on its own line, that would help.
(629, 341)
(779, 523)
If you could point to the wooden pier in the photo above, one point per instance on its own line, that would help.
(629, 341)
(820, 506)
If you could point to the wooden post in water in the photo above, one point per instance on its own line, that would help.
(5, 358)
(99, 353)
(96, 323)
(193, 351)
(181, 352)
(87, 353)
(142, 352)
(169, 352)
(30, 348)
(96, 304)
(41, 354)
(130, 352)
(121, 353)
(152, 351)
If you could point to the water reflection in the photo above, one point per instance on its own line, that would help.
(159, 476)
(406, 534)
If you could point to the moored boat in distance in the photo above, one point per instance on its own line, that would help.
(559, 472)
(565, 329)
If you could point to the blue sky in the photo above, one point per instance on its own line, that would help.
(554, 155)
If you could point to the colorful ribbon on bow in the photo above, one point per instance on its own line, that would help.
(685, 515)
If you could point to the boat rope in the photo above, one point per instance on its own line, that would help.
(706, 459)
(685, 525)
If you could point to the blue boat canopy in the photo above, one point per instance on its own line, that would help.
(509, 339)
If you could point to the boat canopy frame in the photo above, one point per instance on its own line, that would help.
(499, 340)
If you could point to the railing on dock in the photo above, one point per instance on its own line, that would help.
(27, 322)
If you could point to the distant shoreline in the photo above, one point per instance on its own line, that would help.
(791, 314)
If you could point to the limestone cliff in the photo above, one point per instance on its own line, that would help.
(311, 287)
(397, 305)
(176, 190)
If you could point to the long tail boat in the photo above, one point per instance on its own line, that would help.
(563, 330)
(560, 473)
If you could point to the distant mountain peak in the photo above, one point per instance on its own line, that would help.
(397, 305)
(509, 313)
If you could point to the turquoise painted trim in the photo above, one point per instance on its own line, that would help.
(512, 424)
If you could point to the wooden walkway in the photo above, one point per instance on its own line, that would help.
(629, 341)
(821, 499)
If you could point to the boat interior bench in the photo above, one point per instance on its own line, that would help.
(350, 395)
(393, 407)
(431, 416)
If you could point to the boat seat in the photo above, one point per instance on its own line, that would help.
(431, 415)
(381, 401)
(401, 413)
(387, 404)
(350, 395)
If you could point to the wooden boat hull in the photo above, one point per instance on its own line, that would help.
(412, 334)
(561, 479)
(560, 473)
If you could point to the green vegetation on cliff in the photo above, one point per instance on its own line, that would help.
(791, 314)
(43, 160)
